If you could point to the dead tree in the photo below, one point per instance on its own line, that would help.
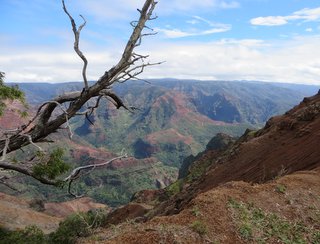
(54, 115)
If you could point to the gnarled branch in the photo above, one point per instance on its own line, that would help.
(76, 33)
(76, 173)
(48, 119)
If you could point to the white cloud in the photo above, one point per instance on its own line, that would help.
(176, 33)
(296, 61)
(293, 61)
(193, 21)
(269, 21)
(106, 10)
(305, 14)
(310, 14)
(190, 5)
(309, 30)
(51, 66)
(173, 33)
(211, 28)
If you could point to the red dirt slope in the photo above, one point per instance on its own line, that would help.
(64, 209)
(286, 144)
(288, 208)
(16, 213)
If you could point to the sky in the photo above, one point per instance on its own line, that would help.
(261, 40)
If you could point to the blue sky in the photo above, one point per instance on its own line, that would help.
(267, 40)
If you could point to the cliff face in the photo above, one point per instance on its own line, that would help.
(288, 143)
(263, 187)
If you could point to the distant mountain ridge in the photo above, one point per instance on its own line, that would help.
(39, 91)
(174, 119)
(177, 117)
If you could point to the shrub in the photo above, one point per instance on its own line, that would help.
(52, 167)
(30, 235)
(281, 189)
(199, 227)
(77, 225)
(174, 188)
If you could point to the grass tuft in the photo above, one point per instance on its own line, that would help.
(199, 227)
(253, 224)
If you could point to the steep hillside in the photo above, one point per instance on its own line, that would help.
(254, 190)
(286, 144)
(286, 210)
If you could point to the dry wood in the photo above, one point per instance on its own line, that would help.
(48, 119)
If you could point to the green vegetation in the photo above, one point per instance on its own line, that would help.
(108, 185)
(30, 235)
(196, 170)
(174, 188)
(51, 167)
(255, 225)
(173, 153)
(199, 227)
(77, 225)
(195, 211)
(281, 189)
(9, 92)
(120, 184)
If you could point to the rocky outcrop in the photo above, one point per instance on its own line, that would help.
(217, 144)
(284, 210)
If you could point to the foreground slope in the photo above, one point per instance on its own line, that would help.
(286, 210)
(265, 188)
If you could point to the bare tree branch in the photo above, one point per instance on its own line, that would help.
(76, 33)
(76, 173)
(48, 119)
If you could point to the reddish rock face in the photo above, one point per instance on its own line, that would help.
(288, 143)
